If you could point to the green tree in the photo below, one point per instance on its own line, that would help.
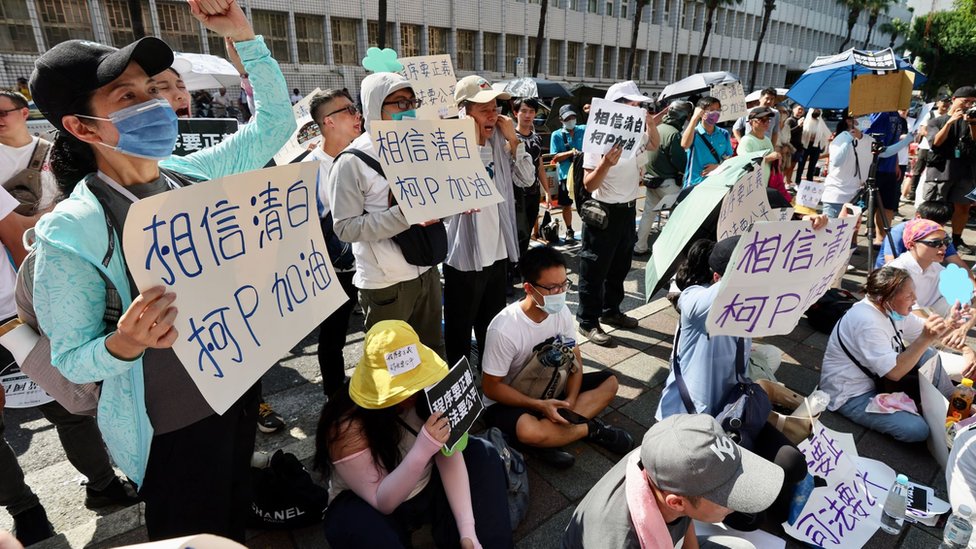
(854, 9)
(539, 37)
(945, 45)
(768, 7)
(874, 9)
(632, 54)
(894, 28)
(710, 7)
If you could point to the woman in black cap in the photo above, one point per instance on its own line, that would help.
(114, 145)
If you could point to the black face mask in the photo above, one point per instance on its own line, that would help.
(815, 115)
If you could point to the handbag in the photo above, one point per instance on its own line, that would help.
(829, 309)
(549, 228)
(594, 214)
(746, 408)
(796, 428)
(423, 246)
(516, 475)
(545, 374)
(284, 496)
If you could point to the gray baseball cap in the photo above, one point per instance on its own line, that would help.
(690, 455)
(566, 111)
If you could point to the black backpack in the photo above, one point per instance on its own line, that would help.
(828, 310)
(574, 178)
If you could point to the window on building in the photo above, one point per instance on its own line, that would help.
(609, 10)
(554, 47)
(410, 40)
(591, 6)
(572, 58)
(274, 26)
(67, 19)
(512, 50)
(465, 49)
(530, 60)
(623, 9)
(216, 43)
(652, 60)
(575, 5)
(607, 58)
(16, 31)
(667, 12)
(310, 35)
(622, 55)
(373, 33)
(698, 21)
(436, 40)
(119, 20)
(344, 41)
(687, 15)
(664, 68)
(490, 51)
(590, 61)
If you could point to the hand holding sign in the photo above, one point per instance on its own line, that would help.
(457, 399)
(612, 123)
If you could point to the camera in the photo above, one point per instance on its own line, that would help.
(971, 114)
(877, 147)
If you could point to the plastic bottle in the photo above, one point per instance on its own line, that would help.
(958, 530)
(961, 401)
(893, 516)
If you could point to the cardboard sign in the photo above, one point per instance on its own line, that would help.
(245, 257)
(433, 80)
(433, 167)
(777, 271)
(305, 136)
(809, 194)
(458, 397)
(610, 122)
(733, 100)
(21, 391)
(881, 92)
(197, 134)
(745, 205)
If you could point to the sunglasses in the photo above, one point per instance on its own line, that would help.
(350, 109)
(941, 243)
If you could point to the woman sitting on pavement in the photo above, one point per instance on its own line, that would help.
(380, 443)
(708, 365)
(878, 337)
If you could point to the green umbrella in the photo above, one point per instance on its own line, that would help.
(687, 218)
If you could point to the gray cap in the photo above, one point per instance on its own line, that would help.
(566, 111)
(721, 254)
(690, 455)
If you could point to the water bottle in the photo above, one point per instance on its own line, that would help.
(893, 516)
(958, 529)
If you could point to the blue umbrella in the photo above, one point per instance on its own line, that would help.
(827, 83)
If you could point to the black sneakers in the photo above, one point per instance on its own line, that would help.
(116, 493)
(268, 420)
(619, 320)
(32, 526)
(556, 457)
(612, 438)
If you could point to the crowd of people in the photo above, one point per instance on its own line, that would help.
(378, 443)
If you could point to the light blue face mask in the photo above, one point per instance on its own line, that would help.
(551, 304)
(405, 115)
(895, 315)
(147, 130)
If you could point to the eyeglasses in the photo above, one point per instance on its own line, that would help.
(350, 109)
(4, 113)
(557, 289)
(405, 104)
(941, 243)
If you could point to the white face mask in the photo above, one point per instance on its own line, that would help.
(569, 124)
(551, 304)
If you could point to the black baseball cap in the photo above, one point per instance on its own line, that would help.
(74, 69)
(721, 254)
(760, 113)
(964, 91)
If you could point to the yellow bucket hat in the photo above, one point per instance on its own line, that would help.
(394, 366)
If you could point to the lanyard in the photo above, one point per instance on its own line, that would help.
(126, 192)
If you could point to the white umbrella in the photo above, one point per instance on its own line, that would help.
(200, 71)
(697, 83)
(754, 96)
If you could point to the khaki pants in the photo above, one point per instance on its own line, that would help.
(416, 302)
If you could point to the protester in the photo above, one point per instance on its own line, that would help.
(607, 252)
(755, 140)
(850, 162)
(950, 167)
(794, 127)
(784, 147)
(940, 213)
(389, 287)
(814, 139)
(481, 244)
(158, 427)
(171, 87)
(664, 169)
(767, 100)
(708, 364)
(925, 242)
(380, 447)
(514, 337)
(527, 199)
(960, 472)
(563, 144)
(339, 123)
(707, 144)
(919, 182)
(904, 183)
(886, 128)
(221, 103)
(22, 88)
(878, 337)
(296, 96)
(685, 470)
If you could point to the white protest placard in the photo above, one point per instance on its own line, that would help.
(21, 391)
(433, 81)
(747, 204)
(809, 193)
(610, 122)
(733, 100)
(245, 257)
(305, 135)
(777, 271)
(433, 167)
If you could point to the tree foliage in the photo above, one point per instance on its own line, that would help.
(944, 45)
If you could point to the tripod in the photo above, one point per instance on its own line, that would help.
(872, 195)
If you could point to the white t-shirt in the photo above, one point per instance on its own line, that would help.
(325, 167)
(491, 247)
(844, 177)
(622, 183)
(15, 159)
(8, 276)
(512, 336)
(871, 337)
(926, 282)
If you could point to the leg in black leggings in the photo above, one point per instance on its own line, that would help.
(774, 446)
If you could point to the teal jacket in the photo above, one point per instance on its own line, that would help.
(71, 242)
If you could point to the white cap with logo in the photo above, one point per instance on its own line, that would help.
(476, 89)
(626, 90)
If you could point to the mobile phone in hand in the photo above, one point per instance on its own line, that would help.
(572, 416)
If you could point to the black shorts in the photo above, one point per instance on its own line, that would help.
(563, 198)
(506, 417)
(889, 189)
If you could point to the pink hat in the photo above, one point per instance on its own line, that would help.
(917, 229)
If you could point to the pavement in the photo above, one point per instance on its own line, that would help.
(639, 359)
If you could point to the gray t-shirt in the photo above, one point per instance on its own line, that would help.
(602, 519)
(172, 399)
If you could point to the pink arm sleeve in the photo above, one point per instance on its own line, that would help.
(454, 475)
(386, 491)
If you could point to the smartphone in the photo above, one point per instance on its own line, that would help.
(572, 416)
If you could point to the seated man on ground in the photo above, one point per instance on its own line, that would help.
(686, 469)
(541, 319)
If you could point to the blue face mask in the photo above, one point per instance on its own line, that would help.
(405, 115)
(895, 315)
(147, 130)
(551, 304)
